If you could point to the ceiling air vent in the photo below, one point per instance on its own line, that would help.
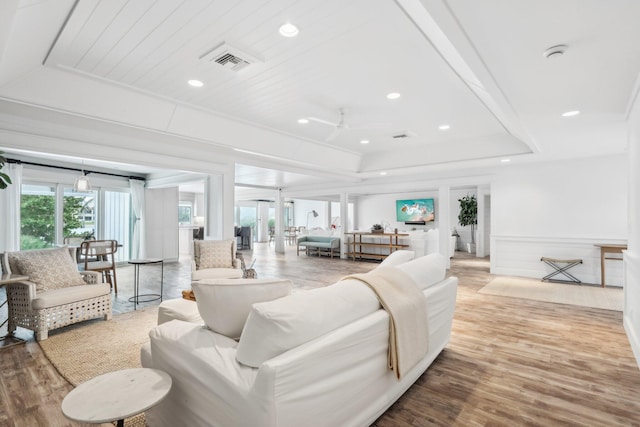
(229, 57)
(404, 135)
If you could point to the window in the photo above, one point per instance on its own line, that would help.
(184, 214)
(79, 214)
(37, 216)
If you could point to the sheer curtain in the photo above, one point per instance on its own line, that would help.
(138, 247)
(10, 206)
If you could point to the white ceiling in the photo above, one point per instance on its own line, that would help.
(87, 70)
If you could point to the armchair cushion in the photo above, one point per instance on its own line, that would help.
(69, 295)
(48, 268)
(225, 304)
(213, 254)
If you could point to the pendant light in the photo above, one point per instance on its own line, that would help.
(82, 184)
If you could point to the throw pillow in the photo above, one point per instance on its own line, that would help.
(277, 326)
(213, 254)
(397, 258)
(224, 304)
(48, 268)
(426, 270)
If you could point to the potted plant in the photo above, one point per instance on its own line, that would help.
(469, 216)
(4, 178)
(377, 229)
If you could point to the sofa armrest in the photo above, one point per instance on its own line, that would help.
(90, 277)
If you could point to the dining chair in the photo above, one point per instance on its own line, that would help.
(103, 251)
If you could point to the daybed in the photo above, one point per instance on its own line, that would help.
(56, 294)
(319, 244)
(315, 357)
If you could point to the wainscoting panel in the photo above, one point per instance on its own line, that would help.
(520, 256)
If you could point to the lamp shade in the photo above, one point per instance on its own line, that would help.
(82, 184)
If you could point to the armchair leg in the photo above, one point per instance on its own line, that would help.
(42, 335)
(107, 316)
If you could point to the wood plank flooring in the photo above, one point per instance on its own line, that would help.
(510, 362)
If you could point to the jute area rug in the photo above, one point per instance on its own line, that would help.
(87, 349)
(561, 293)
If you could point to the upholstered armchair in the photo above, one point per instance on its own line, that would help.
(216, 259)
(55, 295)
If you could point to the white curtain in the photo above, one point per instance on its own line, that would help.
(138, 247)
(10, 207)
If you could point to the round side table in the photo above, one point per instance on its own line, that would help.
(136, 281)
(116, 395)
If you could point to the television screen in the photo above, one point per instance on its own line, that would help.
(417, 210)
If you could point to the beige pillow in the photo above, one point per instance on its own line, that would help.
(224, 304)
(213, 254)
(48, 268)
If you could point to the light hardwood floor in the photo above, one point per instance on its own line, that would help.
(510, 361)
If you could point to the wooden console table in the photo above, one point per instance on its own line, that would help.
(355, 246)
(608, 249)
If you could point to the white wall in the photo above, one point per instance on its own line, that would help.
(632, 255)
(301, 209)
(381, 209)
(559, 210)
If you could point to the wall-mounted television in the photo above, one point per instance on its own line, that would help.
(415, 211)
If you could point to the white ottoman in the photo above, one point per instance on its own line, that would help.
(179, 308)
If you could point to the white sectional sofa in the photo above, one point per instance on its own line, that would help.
(312, 358)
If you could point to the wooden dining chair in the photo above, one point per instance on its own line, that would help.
(103, 251)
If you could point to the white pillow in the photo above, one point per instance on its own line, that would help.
(397, 258)
(277, 326)
(224, 304)
(425, 270)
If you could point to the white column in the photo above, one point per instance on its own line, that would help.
(444, 224)
(279, 244)
(219, 202)
(329, 215)
(631, 257)
(344, 221)
(262, 226)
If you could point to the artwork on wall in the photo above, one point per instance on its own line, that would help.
(415, 211)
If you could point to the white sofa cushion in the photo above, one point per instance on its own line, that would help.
(426, 270)
(180, 309)
(216, 273)
(277, 326)
(48, 268)
(225, 304)
(397, 258)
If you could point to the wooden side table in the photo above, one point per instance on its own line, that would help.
(9, 340)
(608, 249)
(116, 395)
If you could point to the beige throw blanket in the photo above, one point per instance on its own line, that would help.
(407, 308)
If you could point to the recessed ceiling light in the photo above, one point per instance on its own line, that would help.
(444, 127)
(571, 113)
(303, 121)
(289, 30)
(383, 173)
(505, 160)
(393, 95)
(195, 83)
(364, 141)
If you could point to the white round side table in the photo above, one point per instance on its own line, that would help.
(116, 395)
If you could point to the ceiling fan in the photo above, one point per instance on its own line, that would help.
(341, 125)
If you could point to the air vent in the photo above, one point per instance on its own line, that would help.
(404, 135)
(229, 57)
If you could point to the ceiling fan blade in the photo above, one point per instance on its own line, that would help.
(333, 135)
(324, 122)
